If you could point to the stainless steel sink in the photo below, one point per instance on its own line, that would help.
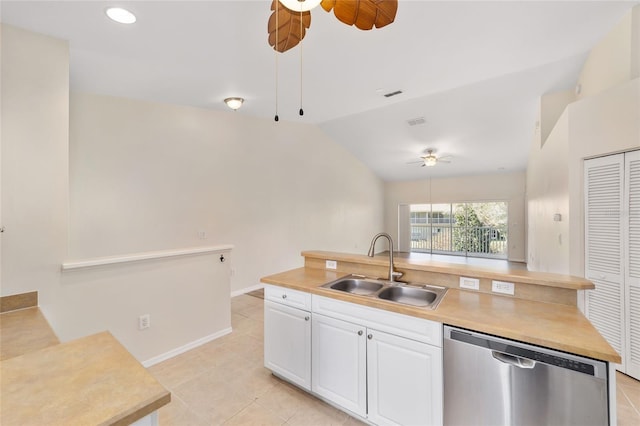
(409, 295)
(356, 285)
(412, 294)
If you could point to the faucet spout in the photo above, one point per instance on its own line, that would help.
(392, 274)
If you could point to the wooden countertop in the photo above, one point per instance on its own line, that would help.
(415, 262)
(89, 381)
(552, 325)
(23, 331)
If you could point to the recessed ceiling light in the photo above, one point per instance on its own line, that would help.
(123, 16)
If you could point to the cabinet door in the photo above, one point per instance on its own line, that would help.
(339, 363)
(603, 194)
(287, 343)
(632, 261)
(405, 381)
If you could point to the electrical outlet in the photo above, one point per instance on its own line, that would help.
(144, 321)
(331, 264)
(202, 235)
(503, 287)
(470, 283)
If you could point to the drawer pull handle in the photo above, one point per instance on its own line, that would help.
(370, 336)
(284, 296)
(306, 318)
(360, 333)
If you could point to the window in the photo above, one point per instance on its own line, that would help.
(467, 229)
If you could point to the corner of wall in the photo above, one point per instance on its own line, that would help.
(552, 105)
(635, 42)
(610, 61)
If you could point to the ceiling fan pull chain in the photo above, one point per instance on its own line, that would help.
(301, 112)
(276, 118)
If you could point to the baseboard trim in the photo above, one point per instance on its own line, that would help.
(182, 349)
(246, 290)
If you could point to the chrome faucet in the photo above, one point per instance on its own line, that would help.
(392, 274)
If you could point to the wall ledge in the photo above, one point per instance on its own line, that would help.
(136, 257)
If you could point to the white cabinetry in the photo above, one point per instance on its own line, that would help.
(404, 380)
(377, 364)
(340, 363)
(612, 252)
(287, 334)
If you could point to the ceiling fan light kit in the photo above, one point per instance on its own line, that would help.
(290, 20)
(430, 160)
(300, 5)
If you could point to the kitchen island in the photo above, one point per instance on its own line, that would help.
(541, 312)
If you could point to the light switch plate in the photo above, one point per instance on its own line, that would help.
(331, 264)
(503, 287)
(470, 283)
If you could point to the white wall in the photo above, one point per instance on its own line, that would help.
(509, 187)
(99, 176)
(35, 104)
(604, 119)
(547, 195)
(149, 176)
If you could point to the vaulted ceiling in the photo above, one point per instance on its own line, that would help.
(473, 70)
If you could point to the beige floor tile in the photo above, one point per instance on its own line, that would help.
(209, 397)
(627, 415)
(316, 412)
(256, 415)
(282, 400)
(179, 369)
(176, 413)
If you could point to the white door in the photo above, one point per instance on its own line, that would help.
(405, 381)
(339, 363)
(287, 343)
(605, 307)
(632, 260)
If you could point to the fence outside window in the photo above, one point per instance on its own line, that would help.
(468, 229)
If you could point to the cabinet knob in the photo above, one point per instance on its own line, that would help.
(306, 318)
(284, 296)
(360, 333)
(370, 336)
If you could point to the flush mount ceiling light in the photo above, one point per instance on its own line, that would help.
(234, 103)
(120, 15)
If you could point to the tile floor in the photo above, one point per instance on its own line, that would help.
(224, 382)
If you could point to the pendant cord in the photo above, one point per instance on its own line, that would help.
(276, 118)
(301, 112)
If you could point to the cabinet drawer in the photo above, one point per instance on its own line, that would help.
(286, 296)
(401, 325)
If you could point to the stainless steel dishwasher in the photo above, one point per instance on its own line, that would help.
(493, 381)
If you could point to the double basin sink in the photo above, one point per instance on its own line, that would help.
(424, 296)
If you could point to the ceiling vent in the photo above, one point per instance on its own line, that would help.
(416, 121)
(390, 94)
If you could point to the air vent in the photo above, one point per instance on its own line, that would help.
(416, 121)
(390, 94)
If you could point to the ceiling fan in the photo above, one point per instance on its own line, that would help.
(431, 159)
(291, 18)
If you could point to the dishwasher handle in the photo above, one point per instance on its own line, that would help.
(516, 361)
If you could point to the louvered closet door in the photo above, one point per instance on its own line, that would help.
(603, 179)
(632, 260)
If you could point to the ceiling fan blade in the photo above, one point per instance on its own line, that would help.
(416, 162)
(364, 14)
(289, 30)
(444, 161)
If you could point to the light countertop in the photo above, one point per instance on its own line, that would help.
(89, 381)
(552, 325)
